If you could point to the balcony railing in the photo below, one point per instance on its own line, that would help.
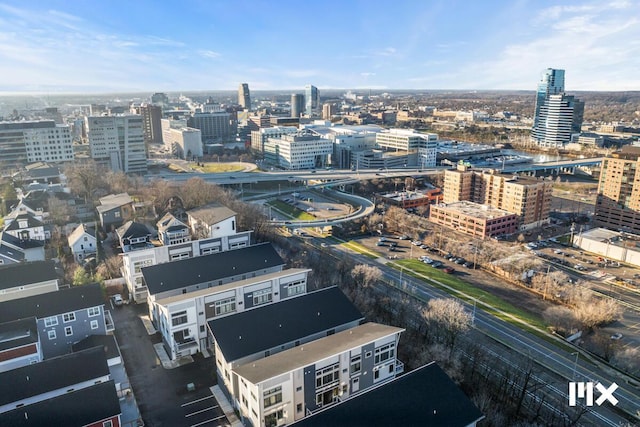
(109, 321)
(185, 345)
(399, 367)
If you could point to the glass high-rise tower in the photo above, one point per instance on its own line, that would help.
(312, 100)
(244, 97)
(557, 116)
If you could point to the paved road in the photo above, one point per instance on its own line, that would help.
(162, 394)
(548, 355)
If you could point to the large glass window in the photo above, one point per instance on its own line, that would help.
(69, 317)
(262, 296)
(50, 321)
(272, 396)
(356, 365)
(225, 306)
(178, 318)
(328, 375)
(384, 353)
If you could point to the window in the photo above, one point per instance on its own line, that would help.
(225, 306)
(68, 331)
(139, 264)
(272, 396)
(107, 423)
(94, 324)
(68, 317)
(384, 353)
(328, 375)
(356, 365)
(93, 311)
(299, 407)
(262, 296)
(116, 214)
(295, 288)
(52, 335)
(179, 318)
(50, 321)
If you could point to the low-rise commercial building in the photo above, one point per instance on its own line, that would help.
(474, 219)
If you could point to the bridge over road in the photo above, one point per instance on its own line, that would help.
(559, 165)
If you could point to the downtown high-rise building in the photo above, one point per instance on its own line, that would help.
(151, 122)
(618, 201)
(558, 116)
(244, 97)
(312, 100)
(34, 141)
(297, 104)
(118, 142)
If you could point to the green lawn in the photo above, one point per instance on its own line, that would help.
(357, 247)
(293, 212)
(501, 308)
(218, 167)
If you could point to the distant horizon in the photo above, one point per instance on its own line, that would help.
(77, 47)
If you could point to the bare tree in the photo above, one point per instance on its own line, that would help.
(596, 312)
(449, 318)
(110, 267)
(561, 318)
(85, 177)
(59, 210)
(365, 275)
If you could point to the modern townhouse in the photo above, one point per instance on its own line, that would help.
(62, 318)
(269, 329)
(423, 397)
(295, 383)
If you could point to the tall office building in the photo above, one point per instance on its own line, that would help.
(34, 141)
(312, 100)
(618, 201)
(557, 116)
(297, 104)
(244, 98)
(151, 121)
(118, 142)
(215, 126)
(529, 198)
(160, 99)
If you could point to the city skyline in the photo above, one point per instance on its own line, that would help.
(78, 47)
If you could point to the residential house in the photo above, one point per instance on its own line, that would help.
(292, 384)
(26, 279)
(212, 220)
(172, 231)
(26, 226)
(134, 236)
(423, 397)
(20, 345)
(62, 317)
(95, 406)
(114, 210)
(251, 335)
(82, 242)
(14, 250)
(50, 378)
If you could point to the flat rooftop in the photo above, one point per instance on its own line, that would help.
(304, 355)
(476, 210)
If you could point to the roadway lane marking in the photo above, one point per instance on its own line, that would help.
(196, 401)
(201, 411)
(208, 421)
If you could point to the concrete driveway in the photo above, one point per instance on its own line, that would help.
(162, 394)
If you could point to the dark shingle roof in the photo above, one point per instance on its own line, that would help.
(78, 408)
(269, 326)
(179, 274)
(133, 229)
(423, 397)
(26, 274)
(32, 221)
(106, 342)
(11, 240)
(52, 374)
(52, 303)
(18, 333)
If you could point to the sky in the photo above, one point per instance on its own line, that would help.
(81, 46)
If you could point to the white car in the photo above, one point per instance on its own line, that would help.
(117, 300)
(616, 336)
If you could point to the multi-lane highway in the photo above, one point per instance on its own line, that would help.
(571, 366)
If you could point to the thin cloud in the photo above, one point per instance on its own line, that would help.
(209, 54)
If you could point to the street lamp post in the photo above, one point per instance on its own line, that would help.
(575, 364)
(473, 316)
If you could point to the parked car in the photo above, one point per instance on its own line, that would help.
(416, 243)
(436, 264)
(380, 243)
(424, 247)
(468, 264)
(117, 300)
(616, 336)
(449, 270)
(460, 261)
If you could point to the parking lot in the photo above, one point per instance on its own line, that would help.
(179, 397)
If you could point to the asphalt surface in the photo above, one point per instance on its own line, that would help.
(162, 394)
